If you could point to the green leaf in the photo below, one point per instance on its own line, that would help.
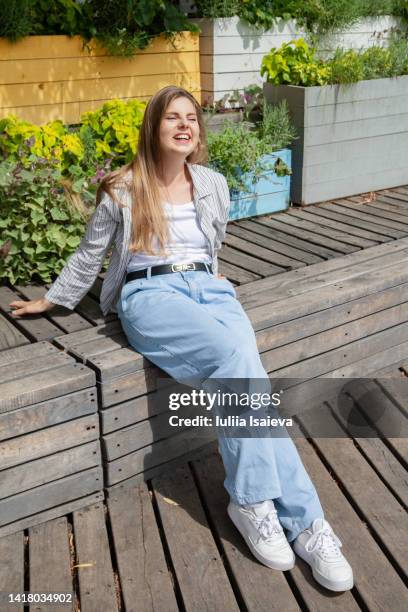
(58, 215)
(29, 250)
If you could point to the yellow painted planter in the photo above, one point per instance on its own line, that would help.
(53, 77)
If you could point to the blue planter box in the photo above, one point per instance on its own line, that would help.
(270, 194)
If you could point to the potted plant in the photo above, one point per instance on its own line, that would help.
(255, 159)
(350, 114)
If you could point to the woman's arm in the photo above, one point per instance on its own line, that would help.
(82, 268)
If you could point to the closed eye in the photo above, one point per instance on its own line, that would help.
(190, 119)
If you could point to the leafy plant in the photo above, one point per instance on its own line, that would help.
(239, 148)
(216, 8)
(114, 129)
(51, 141)
(121, 26)
(233, 151)
(294, 63)
(60, 17)
(39, 228)
(15, 19)
(319, 17)
(276, 129)
(346, 66)
(106, 139)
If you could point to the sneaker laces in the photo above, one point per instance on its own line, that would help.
(325, 541)
(268, 526)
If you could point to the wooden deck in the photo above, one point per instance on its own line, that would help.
(326, 289)
(169, 545)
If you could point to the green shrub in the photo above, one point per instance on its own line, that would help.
(318, 16)
(238, 149)
(114, 128)
(276, 129)
(294, 63)
(15, 19)
(52, 141)
(39, 227)
(105, 139)
(346, 66)
(122, 26)
(60, 17)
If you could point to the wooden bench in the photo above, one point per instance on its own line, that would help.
(326, 323)
(49, 436)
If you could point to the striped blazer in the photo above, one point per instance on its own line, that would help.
(110, 227)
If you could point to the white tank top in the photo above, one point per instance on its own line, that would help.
(186, 240)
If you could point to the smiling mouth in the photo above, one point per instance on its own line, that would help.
(182, 139)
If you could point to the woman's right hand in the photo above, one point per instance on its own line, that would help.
(22, 307)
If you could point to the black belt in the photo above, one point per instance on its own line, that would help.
(167, 269)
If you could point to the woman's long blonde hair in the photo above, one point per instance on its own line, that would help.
(147, 211)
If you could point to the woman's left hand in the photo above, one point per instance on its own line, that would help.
(221, 276)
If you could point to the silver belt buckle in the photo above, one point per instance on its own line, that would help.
(182, 267)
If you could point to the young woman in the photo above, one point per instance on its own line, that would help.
(164, 217)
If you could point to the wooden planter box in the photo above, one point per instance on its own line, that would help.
(270, 193)
(52, 77)
(49, 437)
(231, 50)
(215, 123)
(352, 139)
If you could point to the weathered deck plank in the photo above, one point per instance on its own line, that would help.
(201, 576)
(94, 564)
(145, 581)
(287, 254)
(356, 236)
(12, 569)
(10, 336)
(50, 563)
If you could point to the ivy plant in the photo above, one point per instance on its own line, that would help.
(39, 227)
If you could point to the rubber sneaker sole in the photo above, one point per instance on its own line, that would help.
(271, 564)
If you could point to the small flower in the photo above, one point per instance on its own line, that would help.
(100, 174)
(30, 142)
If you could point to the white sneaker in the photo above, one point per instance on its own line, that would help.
(259, 526)
(320, 548)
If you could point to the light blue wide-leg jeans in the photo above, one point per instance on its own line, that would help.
(191, 325)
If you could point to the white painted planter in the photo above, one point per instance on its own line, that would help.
(231, 50)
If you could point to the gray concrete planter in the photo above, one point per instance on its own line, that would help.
(352, 139)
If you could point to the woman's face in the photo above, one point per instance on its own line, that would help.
(179, 129)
